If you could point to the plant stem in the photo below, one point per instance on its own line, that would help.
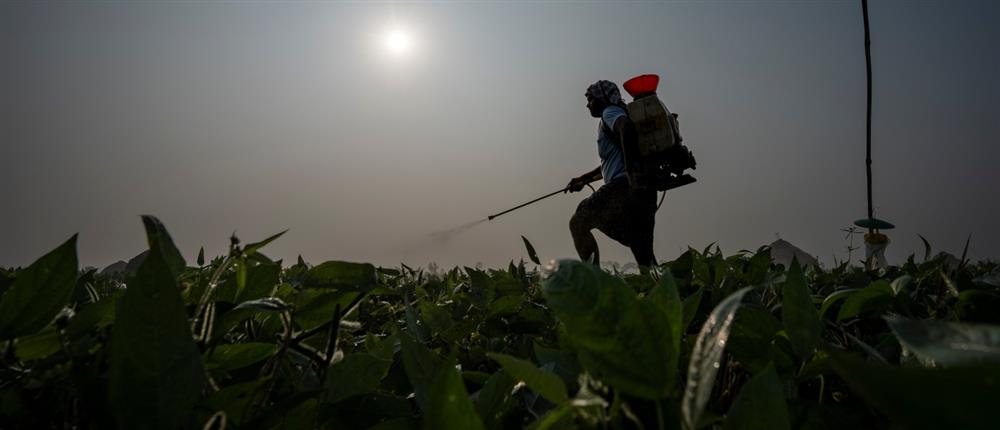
(659, 415)
(822, 387)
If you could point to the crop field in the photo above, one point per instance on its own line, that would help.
(703, 341)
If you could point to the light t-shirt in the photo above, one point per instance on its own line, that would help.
(612, 159)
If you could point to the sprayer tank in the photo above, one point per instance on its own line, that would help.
(655, 126)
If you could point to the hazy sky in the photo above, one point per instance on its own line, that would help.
(259, 117)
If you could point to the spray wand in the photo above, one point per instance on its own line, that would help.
(490, 218)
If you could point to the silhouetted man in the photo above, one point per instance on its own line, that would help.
(619, 209)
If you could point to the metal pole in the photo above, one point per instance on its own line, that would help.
(868, 124)
(526, 204)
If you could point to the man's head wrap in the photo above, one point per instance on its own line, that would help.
(605, 91)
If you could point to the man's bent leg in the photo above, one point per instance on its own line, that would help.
(584, 241)
(601, 210)
(642, 207)
(644, 255)
(640, 240)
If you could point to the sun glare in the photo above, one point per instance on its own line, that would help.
(398, 42)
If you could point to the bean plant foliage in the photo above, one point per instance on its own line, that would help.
(703, 341)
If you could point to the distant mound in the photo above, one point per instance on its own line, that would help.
(120, 268)
(134, 263)
(116, 268)
(783, 252)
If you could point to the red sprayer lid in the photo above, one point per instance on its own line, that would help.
(642, 85)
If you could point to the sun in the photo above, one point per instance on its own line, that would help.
(398, 42)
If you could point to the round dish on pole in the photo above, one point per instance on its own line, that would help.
(874, 224)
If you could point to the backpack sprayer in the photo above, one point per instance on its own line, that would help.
(662, 157)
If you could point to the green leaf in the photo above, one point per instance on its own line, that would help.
(156, 374)
(422, 366)
(989, 280)
(927, 248)
(493, 400)
(557, 418)
(92, 316)
(546, 384)
(638, 359)
(384, 349)
(436, 318)
(405, 423)
(389, 271)
(668, 300)
(341, 275)
(751, 338)
(482, 290)
(758, 266)
(39, 292)
(948, 344)
(234, 399)
(360, 411)
(705, 356)
(531, 251)
(448, 406)
(227, 289)
(760, 404)
(38, 345)
(356, 374)
(314, 308)
(414, 326)
(835, 297)
(700, 271)
(962, 397)
(965, 252)
(691, 305)
(950, 283)
(818, 364)
(798, 313)
(236, 356)
(563, 363)
(573, 291)
(261, 280)
(241, 278)
(277, 413)
(6, 280)
(252, 248)
(506, 305)
(302, 417)
(978, 306)
(901, 284)
(870, 300)
(157, 236)
(201, 256)
(623, 341)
